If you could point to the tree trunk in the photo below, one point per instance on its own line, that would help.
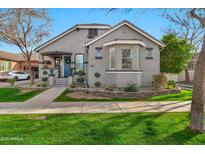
(197, 106)
(30, 70)
(187, 79)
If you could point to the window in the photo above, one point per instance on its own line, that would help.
(126, 59)
(92, 33)
(149, 53)
(191, 66)
(5, 66)
(79, 62)
(112, 58)
(98, 53)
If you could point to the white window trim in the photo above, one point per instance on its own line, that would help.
(111, 49)
(138, 57)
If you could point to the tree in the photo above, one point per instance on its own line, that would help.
(198, 98)
(175, 55)
(24, 28)
(185, 27)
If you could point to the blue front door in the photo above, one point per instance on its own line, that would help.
(67, 66)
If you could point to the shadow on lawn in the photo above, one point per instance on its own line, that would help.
(181, 137)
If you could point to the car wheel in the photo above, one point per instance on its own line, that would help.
(28, 78)
(16, 78)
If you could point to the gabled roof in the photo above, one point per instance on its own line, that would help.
(137, 29)
(94, 25)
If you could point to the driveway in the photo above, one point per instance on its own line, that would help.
(185, 86)
(17, 83)
(43, 103)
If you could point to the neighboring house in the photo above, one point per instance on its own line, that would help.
(15, 61)
(121, 54)
(180, 77)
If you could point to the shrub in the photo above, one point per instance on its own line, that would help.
(97, 75)
(97, 84)
(45, 72)
(11, 81)
(159, 81)
(80, 80)
(44, 84)
(44, 79)
(80, 73)
(72, 86)
(131, 87)
(38, 84)
(171, 84)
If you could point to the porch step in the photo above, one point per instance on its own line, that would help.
(60, 82)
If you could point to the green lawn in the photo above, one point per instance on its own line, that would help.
(124, 128)
(183, 96)
(16, 94)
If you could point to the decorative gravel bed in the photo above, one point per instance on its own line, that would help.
(143, 93)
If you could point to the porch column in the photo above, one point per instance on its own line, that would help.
(40, 64)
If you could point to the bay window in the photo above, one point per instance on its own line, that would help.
(126, 59)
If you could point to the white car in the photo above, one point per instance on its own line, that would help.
(4, 76)
(20, 75)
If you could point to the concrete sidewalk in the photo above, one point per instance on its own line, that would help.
(96, 107)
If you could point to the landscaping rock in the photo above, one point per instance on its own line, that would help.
(122, 94)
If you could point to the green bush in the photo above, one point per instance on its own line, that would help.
(97, 84)
(38, 84)
(159, 81)
(44, 84)
(171, 84)
(131, 87)
(80, 73)
(80, 80)
(45, 72)
(11, 81)
(97, 75)
(44, 79)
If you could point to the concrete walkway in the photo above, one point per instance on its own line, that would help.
(184, 86)
(33, 105)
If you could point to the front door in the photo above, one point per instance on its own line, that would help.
(67, 66)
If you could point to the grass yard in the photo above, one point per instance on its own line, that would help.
(183, 96)
(16, 94)
(124, 128)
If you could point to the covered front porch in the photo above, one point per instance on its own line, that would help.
(59, 65)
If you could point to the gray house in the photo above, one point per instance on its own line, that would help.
(121, 54)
